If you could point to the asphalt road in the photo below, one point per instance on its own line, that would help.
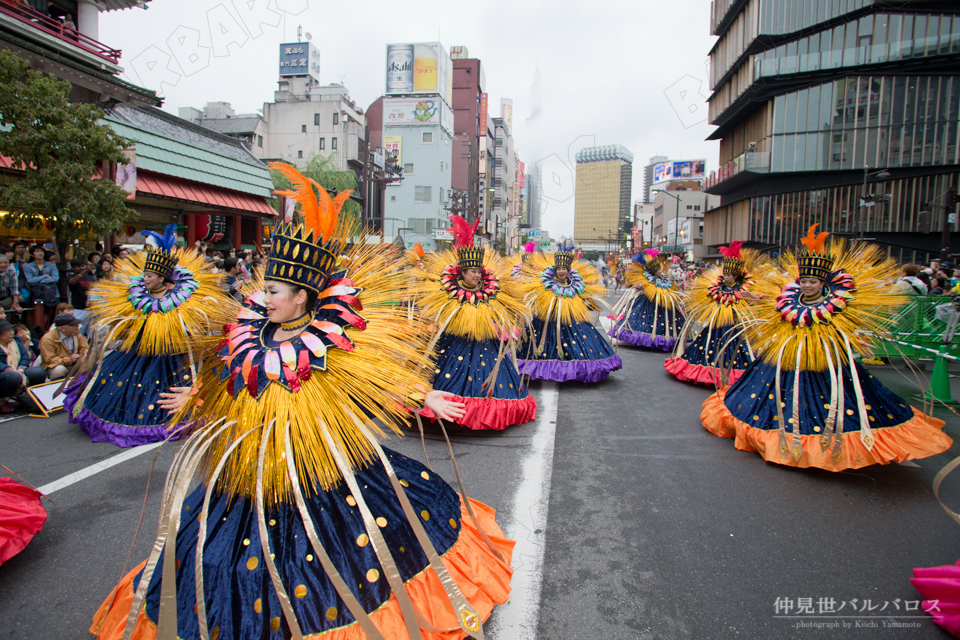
(647, 527)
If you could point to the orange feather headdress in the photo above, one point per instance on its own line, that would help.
(306, 254)
(813, 261)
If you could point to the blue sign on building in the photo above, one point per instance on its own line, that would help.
(299, 59)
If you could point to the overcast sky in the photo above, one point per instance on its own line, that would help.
(628, 72)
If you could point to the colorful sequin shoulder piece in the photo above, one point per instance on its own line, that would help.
(573, 287)
(251, 365)
(184, 286)
(487, 289)
(839, 289)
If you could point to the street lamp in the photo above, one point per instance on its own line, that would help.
(866, 201)
(676, 219)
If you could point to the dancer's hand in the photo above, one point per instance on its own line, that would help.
(175, 399)
(437, 402)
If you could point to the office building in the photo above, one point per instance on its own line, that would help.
(648, 177)
(604, 181)
(822, 108)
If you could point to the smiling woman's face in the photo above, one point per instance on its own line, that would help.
(283, 305)
(563, 272)
(471, 277)
(811, 287)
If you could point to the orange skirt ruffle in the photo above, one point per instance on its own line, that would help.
(920, 437)
(483, 579)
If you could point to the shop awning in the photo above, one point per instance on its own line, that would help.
(169, 187)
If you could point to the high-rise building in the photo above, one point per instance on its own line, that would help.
(648, 176)
(844, 114)
(602, 197)
(533, 198)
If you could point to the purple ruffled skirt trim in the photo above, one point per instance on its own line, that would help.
(116, 434)
(644, 339)
(565, 371)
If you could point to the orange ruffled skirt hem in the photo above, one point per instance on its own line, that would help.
(483, 579)
(919, 437)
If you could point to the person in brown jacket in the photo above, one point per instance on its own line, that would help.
(62, 346)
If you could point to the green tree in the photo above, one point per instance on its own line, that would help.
(59, 145)
(323, 170)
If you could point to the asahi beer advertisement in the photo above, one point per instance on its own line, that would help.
(409, 112)
(420, 67)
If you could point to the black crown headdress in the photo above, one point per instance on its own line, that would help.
(812, 262)
(160, 258)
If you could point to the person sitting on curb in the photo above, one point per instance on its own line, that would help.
(15, 371)
(62, 346)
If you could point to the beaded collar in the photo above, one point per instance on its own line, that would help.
(487, 289)
(838, 291)
(662, 282)
(572, 288)
(731, 295)
(184, 286)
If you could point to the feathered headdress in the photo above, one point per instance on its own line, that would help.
(418, 251)
(733, 262)
(468, 256)
(160, 258)
(650, 259)
(530, 247)
(563, 257)
(305, 254)
(813, 261)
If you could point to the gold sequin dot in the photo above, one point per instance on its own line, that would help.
(309, 557)
(890, 416)
(872, 419)
(246, 542)
(827, 406)
(351, 501)
(103, 382)
(362, 540)
(150, 407)
(817, 429)
(401, 550)
(215, 633)
(300, 591)
(453, 523)
(381, 522)
(756, 417)
(867, 407)
(405, 483)
(273, 522)
(470, 378)
(373, 575)
(425, 514)
(459, 357)
(482, 363)
(753, 395)
(447, 375)
(849, 412)
(424, 475)
(120, 384)
(332, 614)
(258, 605)
(275, 623)
(437, 371)
(252, 563)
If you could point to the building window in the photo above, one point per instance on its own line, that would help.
(316, 119)
(323, 144)
(303, 128)
(336, 118)
(428, 137)
(333, 143)
(690, 207)
(299, 154)
(393, 198)
(423, 194)
(260, 141)
(696, 207)
(408, 168)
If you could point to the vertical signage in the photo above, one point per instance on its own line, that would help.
(482, 124)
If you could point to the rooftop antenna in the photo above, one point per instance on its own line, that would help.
(299, 33)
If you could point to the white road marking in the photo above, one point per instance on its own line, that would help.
(518, 619)
(94, 469)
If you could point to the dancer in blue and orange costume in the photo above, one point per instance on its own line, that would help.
(303, 524)
(650, 312)
(562, 343)
(805, 401)
(719, 305)
(161, 297)
(477, 315)
(517, 272)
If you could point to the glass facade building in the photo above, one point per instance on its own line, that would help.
(820, 102)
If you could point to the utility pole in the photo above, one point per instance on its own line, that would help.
(949, 218)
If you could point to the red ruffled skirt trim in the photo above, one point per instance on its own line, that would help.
(21, 517)
(698, 373)
(919, 437)
(483, 578)
(492, 413)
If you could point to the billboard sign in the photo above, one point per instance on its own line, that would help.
(391, 148)
(126, 177)
(482, 120)
(506, 112)
(412, 112)
(299, 59)
(419, 67)
(679, 170)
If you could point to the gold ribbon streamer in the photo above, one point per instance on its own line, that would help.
(782, 428)
(938, 480)
(353, 605)
(866, 433)
(282, 595)
(797, 448)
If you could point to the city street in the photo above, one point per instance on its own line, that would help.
(632, 522)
